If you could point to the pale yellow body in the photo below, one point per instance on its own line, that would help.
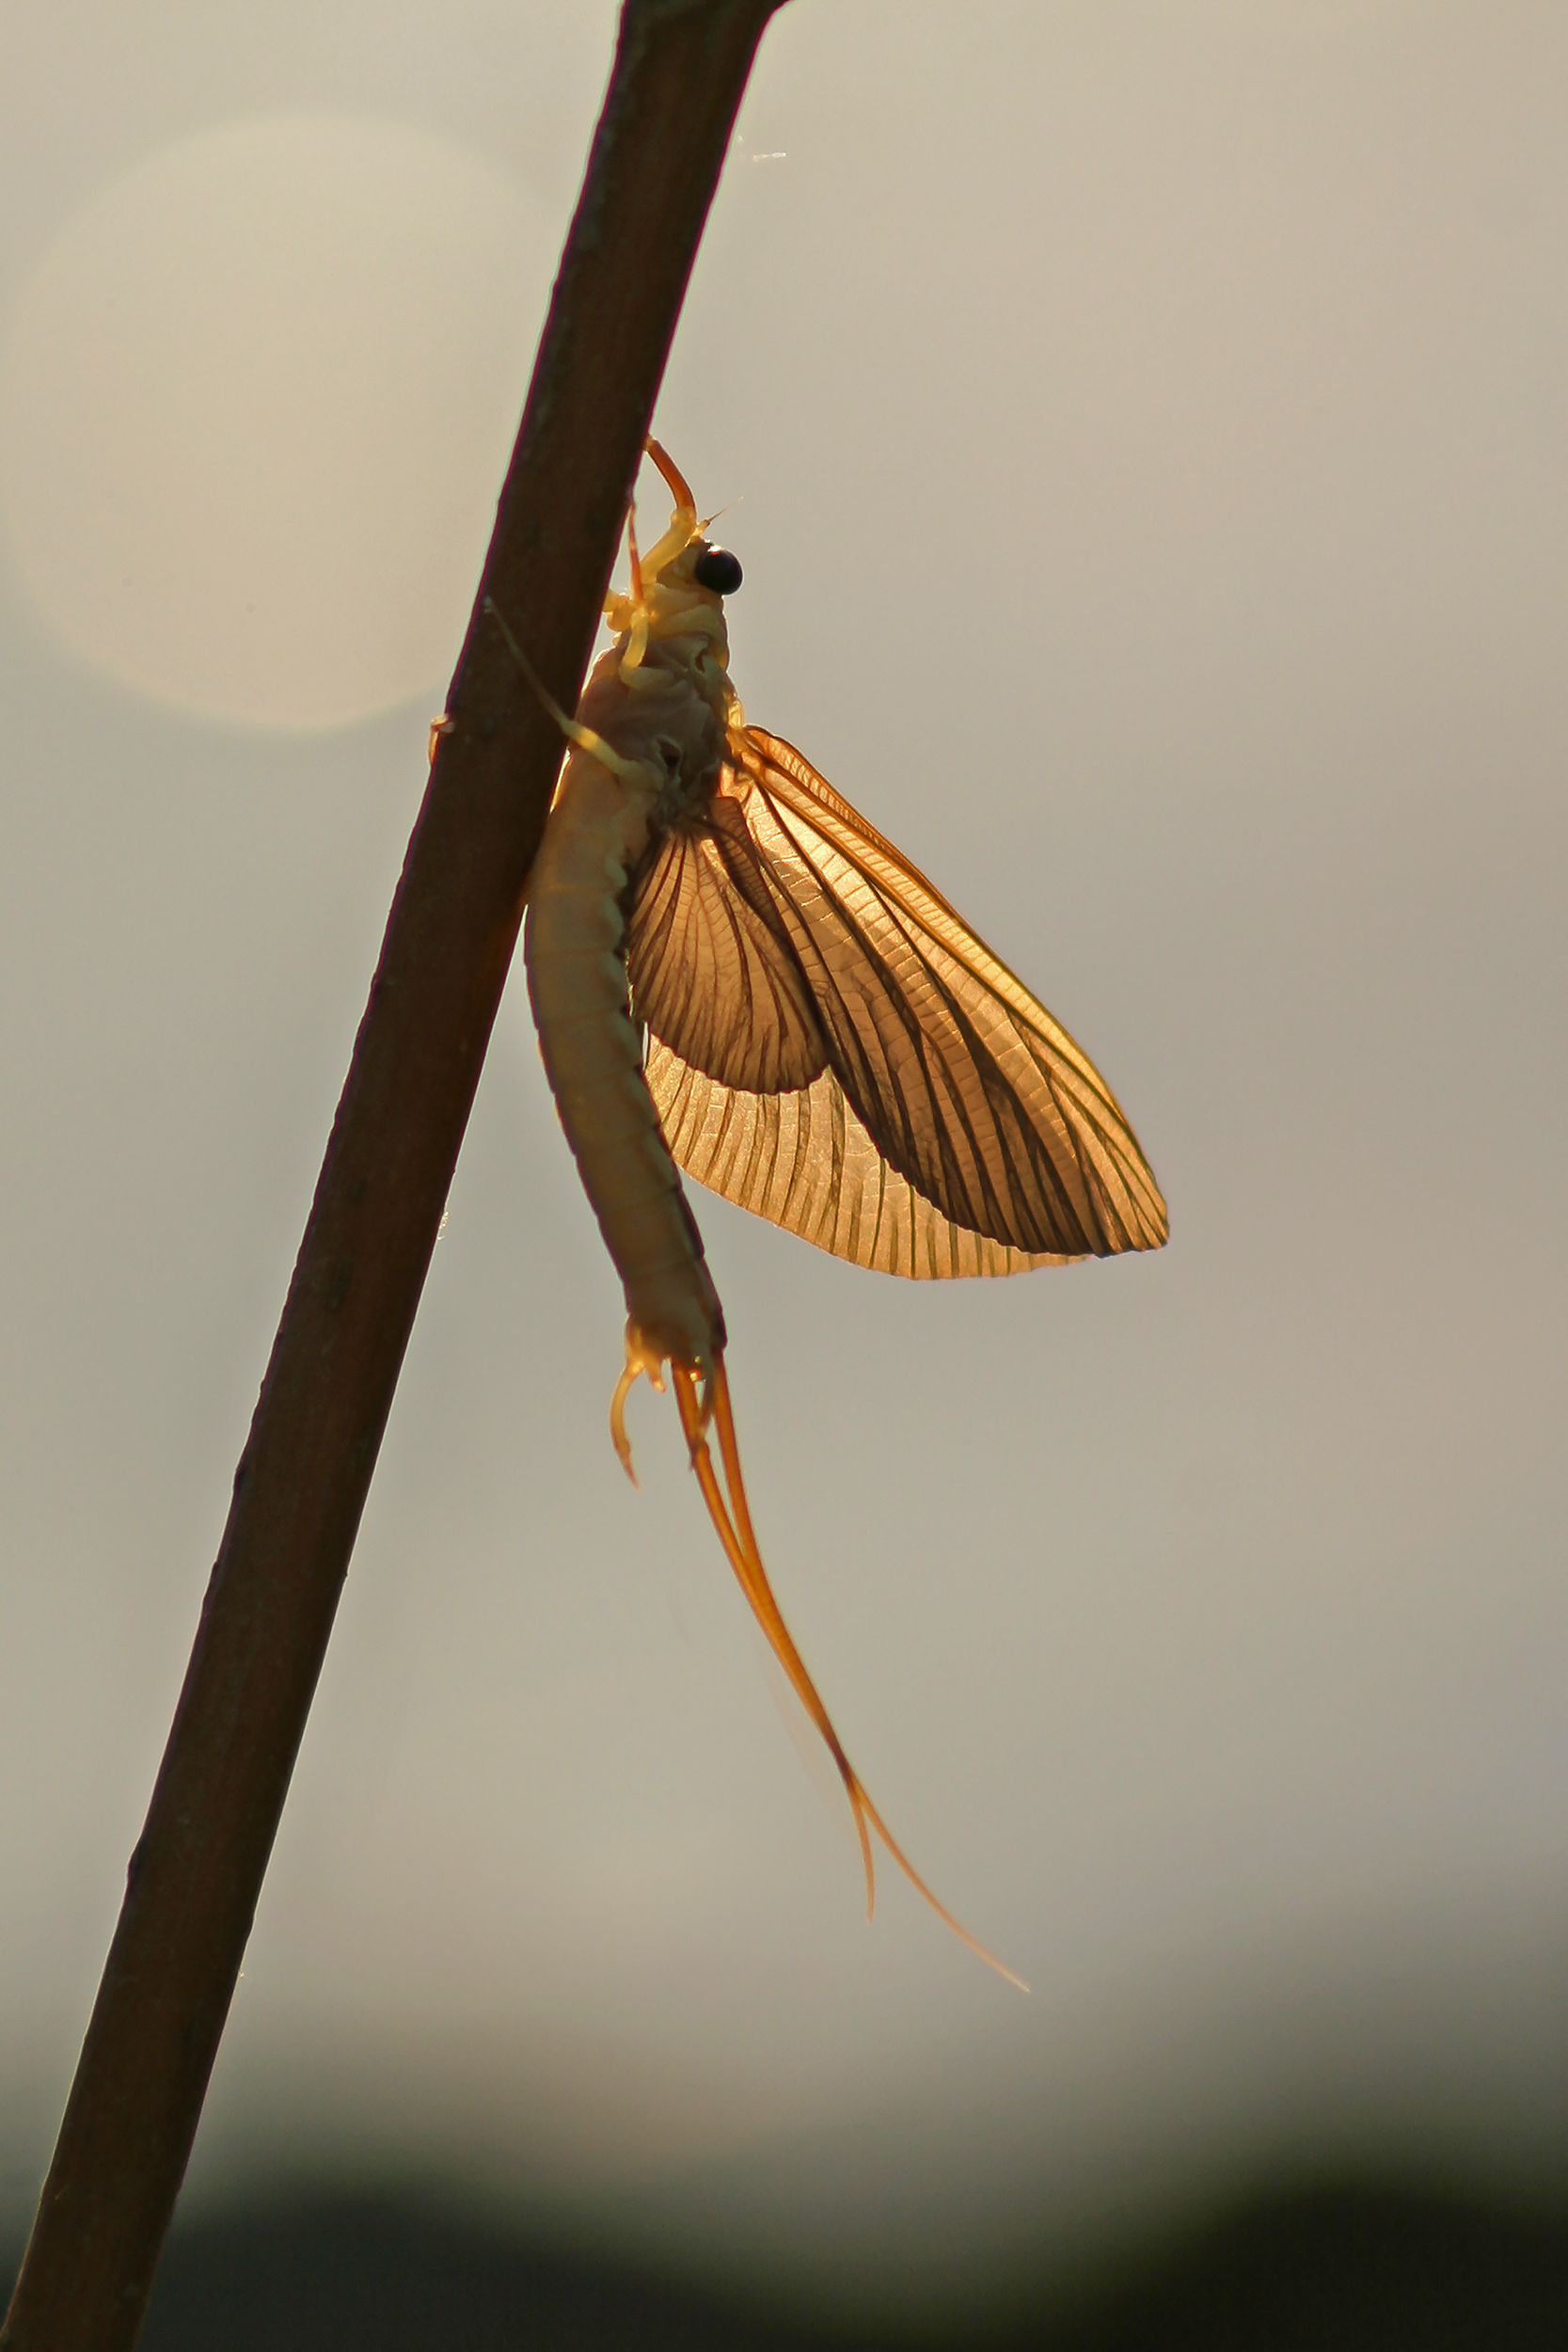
(650, 729)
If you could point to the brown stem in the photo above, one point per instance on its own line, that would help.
(193, 1879)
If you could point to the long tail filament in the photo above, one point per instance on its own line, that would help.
(732, 1521)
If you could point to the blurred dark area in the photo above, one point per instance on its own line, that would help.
(1330, 2268)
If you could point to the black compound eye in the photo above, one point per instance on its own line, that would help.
(717, 569)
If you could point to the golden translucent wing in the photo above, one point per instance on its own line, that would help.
(805, 1161)
(950, 1127)
(709, 965)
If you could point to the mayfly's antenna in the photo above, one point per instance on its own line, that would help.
(707, 522)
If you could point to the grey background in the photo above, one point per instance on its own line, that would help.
(1149, 422)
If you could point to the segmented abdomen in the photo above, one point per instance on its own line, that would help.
(577, 981)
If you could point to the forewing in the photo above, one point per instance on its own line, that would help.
(832, 1048)
(962, 1083)
(711, 967)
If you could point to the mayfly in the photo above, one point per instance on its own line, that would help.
(734, 975)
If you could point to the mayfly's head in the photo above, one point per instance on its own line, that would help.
(676, 602)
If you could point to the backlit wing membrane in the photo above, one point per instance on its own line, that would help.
(708, 961)
(806, 1162)
(833, 1049)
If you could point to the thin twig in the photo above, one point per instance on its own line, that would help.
(193, 1879)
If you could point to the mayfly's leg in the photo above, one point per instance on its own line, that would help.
(637, 644)
(683, 523)
(627, 770)
(676, 483)
(738, 1537)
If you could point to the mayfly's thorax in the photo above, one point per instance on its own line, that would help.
(668, 716)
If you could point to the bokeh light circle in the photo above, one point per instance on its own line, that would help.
(256, 402)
